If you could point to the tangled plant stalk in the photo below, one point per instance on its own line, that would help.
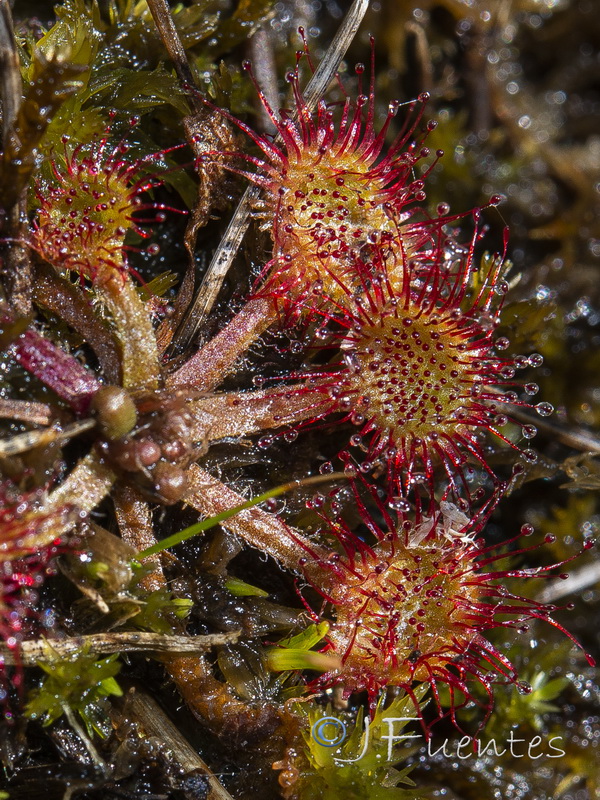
(372, 348)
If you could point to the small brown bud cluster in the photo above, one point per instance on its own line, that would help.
(147, 437)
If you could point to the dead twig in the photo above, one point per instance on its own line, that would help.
(28, 654)
(141, 709)
(10, 75)
(22, 442)
(26, 411)
(161, 14)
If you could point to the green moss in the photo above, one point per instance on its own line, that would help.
(366, 763)
(81, 685)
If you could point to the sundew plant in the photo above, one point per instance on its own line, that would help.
(299, 400)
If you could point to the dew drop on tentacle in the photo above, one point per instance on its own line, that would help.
(544, 409)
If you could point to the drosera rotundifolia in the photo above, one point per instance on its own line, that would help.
(361, 358)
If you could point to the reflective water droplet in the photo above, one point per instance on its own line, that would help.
(352, 362)
(544, 409)
(536, 360)
(531, 388)
(588, 544)
(529, 431)
(399, 504)
(318, 501)
(527, 529)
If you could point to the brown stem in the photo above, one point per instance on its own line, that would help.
(215, 704)
(261, 54)
(22, 442)
(135, 524)
(212, 701)
(226, 415)
(150, 722)
(11, 85)
(30, 652)
(17, 267)
(259, 528)
(68, 302)
(206, 369)
(578, 438)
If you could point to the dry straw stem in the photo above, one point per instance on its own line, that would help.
(26, 411)
(161, 13)
(22, 442)
(28, 654)
(570, 436)
(152, 722)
